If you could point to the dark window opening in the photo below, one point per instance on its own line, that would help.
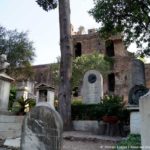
(111, 82)
(125, 78)
(43, 95)
(76, 92)
(110, 48)
(78, 50)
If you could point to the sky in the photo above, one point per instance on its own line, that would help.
(42, 26)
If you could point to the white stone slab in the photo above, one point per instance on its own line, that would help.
(10, 126)
(92, 90)
(12, 142)
(135, 122)
(86, 125)
(144, 104)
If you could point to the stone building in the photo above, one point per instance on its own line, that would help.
(118, 80)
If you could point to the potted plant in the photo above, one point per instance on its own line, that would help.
(112, 106)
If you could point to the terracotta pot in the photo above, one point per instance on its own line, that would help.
(110, 119)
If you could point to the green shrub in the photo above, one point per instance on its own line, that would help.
(86, 112)
(76, 101)
(132, 142)
(110, 105)
(113, 105)
(21, 106)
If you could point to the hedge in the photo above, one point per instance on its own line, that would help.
(86, 112)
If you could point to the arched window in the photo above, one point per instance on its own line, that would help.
(111, 82)
(110, 48)
(78, 49)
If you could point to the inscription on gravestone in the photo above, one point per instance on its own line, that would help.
(92, 90)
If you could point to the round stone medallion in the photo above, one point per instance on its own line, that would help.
(92, 78)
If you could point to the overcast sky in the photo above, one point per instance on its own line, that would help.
(43, 27)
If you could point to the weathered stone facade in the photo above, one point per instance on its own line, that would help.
(119, 79)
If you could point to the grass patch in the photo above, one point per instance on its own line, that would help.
(132, 142)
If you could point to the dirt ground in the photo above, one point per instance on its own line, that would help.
(80, 145)
(74, 140)
(88, 145)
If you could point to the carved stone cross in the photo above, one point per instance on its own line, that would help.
(3, 63)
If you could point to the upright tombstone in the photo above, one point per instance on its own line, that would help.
(92, 90)
(45, 93)
(25, 89)
(135, 93)
(137, 89)
(22, 92)
(144, 104)
(5, 81)
(42, 129)
(137, 73)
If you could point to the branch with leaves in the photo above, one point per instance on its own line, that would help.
(93, 61)
(131, 18)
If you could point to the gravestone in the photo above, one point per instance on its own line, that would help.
(135, 93)
(45, 93)
(22, 92)
(135, 117)
(25, 89)
(92, 90)
(42, 129)
(5, 81)
(144, 104)
(137, 73)
(137, 89)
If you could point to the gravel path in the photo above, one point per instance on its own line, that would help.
(88, 145)
(74, 140)
(81, 145)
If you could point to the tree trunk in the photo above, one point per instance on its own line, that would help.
(65, 63)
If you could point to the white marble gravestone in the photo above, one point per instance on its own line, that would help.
(5, 81)
(144, 104)
(92, 90)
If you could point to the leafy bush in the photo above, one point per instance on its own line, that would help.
(21, 106)
(110, 105)
(76, 101)
(92, 61)
(133, 142)
(86, 112)
(114, 106)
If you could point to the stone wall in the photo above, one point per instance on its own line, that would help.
(93, 42)
(122, 70)
(89, 42)
(10, 126)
